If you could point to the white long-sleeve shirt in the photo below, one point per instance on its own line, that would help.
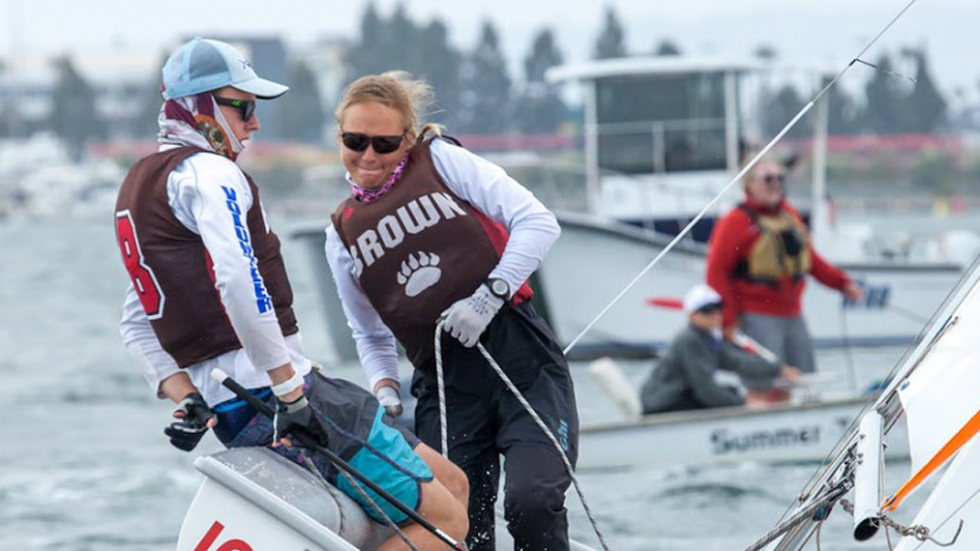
(533, 230)
(197, 198)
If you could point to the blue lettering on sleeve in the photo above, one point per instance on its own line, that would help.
(262, 299)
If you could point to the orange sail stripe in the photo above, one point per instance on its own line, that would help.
(955, 443)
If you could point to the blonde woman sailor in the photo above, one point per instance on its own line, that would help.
(433, 232)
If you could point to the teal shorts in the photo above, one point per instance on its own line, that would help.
(388, 461)
(358, 432)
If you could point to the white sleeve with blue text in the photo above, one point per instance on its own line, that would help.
(376, 346)
(212, 199)
(533, 228)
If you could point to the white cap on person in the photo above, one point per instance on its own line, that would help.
(699, 297)
(202, 65)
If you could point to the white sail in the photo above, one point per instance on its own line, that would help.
(935, 390)
(941, 395)
(954, 499)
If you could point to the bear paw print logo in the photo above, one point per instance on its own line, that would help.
(419, 272)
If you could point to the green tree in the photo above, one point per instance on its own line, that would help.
(368, 55)
(766, 52)
(6, 120)
(611, 41)
(885, 112)
(935, 172)
(486, 100)
(541, 108)
(73, 116)
(783, 106)
(145, 125)
(842, 113)
(302, 116)
(400, 42)
(667, 48)
(927, 107)
(442, 70)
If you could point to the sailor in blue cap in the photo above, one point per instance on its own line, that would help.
(209, 290)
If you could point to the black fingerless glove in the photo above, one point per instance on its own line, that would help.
(185, 433)
(298, 417)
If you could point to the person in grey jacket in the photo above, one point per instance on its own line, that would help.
(686, 378)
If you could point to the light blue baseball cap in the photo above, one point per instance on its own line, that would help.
(202, 65)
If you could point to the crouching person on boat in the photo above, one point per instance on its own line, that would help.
(209, 290)
(759, 256)
(687, 376)
(433, 232)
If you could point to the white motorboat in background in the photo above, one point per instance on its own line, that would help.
(663, 137)
(778, 434)
(595, 259)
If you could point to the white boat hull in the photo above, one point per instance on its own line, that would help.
(252, 499)
(256, 498)
(786, 433)
(594, 260)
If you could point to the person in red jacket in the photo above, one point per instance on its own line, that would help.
(759, 256)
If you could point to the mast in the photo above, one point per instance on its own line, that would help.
(841, 469)
(591, 147)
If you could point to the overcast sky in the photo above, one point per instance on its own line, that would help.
(830, 31)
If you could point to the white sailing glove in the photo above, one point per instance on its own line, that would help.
(389, 399)
(468, 318)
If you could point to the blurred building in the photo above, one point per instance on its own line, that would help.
(125, 82)
(121, 79)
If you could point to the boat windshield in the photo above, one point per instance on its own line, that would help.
(661, 123)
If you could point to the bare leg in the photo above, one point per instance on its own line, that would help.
(441, 508)
(445, 471)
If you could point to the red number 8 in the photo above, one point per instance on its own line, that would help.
(142, 275)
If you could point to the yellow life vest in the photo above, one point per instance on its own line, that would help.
(782, 249)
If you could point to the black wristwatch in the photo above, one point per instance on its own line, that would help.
(499, 288)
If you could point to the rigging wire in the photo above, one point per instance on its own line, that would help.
(933, 328)
(918, 531)
(364, 495)
(922, 333)
(848, 353)
(907, 314)
(883, 70)
(687, 229)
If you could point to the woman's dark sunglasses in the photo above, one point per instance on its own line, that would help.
(381, 144)
(247, 107)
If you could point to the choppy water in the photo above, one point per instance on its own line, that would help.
(84, 464)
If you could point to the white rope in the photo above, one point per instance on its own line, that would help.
(534, 415)
(551, 436)
(442, 391)
(687, 229)
(330, 488)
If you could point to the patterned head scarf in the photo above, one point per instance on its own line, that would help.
(197, 121)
